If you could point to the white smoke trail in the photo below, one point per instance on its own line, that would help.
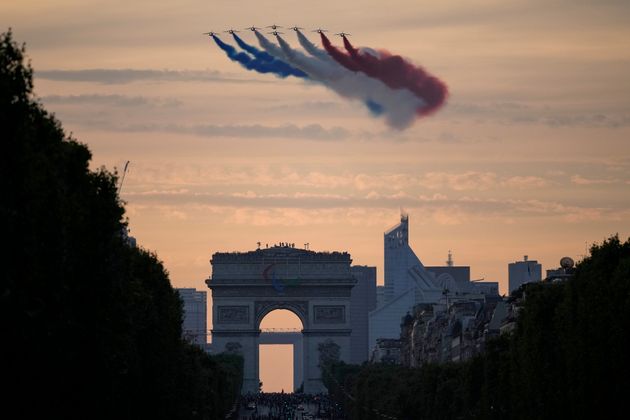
(311, 48)
(326, 70)
(399, 106)
(270, 47)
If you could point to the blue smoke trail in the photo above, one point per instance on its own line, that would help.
(375, 108)
(261, 55)
(277, 67)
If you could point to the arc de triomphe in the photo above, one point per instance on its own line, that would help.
(315, 286)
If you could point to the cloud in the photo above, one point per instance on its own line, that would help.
(124, 76)
(580, 180)
(282, 217)
(470, 180)
(252, 209)
(285, 176)
(291, 131)
(525, 182)
(111, 100)
(308, 106)
(518, 113)
(587, 120)
(254, 131)
(444, 209)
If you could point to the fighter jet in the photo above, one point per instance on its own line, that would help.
(342, 34)
(320, 30)
(210, 33)
(276, 33)
(296, 28)
(231, 31)
(274, 26)
(253, 28)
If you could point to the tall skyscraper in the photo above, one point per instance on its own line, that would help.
(407, 283)
(403, 270)
(521, 272)
(195, 326)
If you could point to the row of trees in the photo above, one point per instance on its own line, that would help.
(91, 326)
(568, 358)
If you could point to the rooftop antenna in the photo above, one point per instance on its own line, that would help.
(403, 215)
(306, 245)
(122, 179)
(449, 262)
(258, 243)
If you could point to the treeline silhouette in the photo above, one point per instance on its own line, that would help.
(567, 358)
(91, 327)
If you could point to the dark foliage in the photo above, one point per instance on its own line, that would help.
(567, 358)
(91, 327)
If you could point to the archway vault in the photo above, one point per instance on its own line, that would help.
(315, 286)
(299, 308)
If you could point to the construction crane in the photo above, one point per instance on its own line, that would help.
(122, 179)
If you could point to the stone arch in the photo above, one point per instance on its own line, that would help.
(299, 308)
(243, 294)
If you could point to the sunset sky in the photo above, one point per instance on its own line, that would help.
(530, 155)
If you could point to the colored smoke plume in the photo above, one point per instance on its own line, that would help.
(311, 48)
(388, 85)
(393, 70)
(339, 56)
(261, 55)
(269, 46)
(397, 106)
(277, 67)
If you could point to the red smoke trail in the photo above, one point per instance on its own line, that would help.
(339, 56)
(395, 72)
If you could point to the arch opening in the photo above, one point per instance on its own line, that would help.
(281, 319)
(280, 351)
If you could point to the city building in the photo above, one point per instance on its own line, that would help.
(564, 272)
(407, 283)
(521, 272)
(195, 325)
(456, 279)
(487, 287)
(386, 350)
(362, 301)
(453, 332)
(380, 296)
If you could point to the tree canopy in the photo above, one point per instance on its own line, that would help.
(567, 358)
(91, 325)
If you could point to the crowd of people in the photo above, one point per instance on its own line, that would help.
(288, 406)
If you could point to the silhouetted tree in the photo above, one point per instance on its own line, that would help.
(91, 326)
(567, 358)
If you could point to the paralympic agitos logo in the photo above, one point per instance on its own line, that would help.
(269, 273)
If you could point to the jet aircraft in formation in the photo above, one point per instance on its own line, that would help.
(275, 30)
